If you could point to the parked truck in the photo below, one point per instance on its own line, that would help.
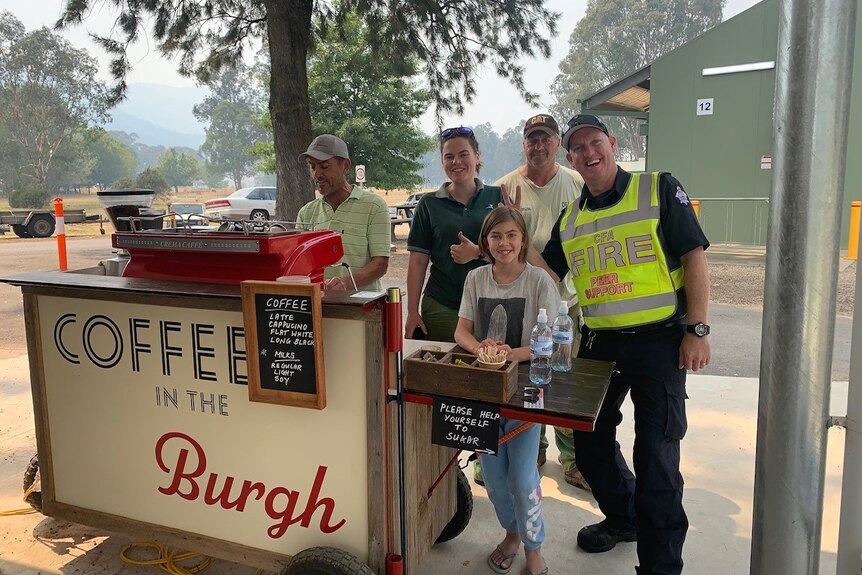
(39, 223)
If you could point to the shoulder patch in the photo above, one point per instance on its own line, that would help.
(681, 196)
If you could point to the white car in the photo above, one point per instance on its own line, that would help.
(405, 210)
(257, 204)
(183, 210)
(187, 214)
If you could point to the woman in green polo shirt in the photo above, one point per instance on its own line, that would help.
(445, 233)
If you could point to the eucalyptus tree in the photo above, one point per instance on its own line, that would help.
(232, 111)
(178, 169)
(47, 95)
(112, 160)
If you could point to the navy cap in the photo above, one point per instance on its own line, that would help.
(582, 121)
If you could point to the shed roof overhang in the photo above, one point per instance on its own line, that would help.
(626, 97)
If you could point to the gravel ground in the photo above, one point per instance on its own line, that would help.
(743, 285)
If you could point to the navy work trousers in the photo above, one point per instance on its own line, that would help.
(650, 499)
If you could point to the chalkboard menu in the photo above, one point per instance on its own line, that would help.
(283, 321)
(467, 425)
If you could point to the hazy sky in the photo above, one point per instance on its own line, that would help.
(497, 102)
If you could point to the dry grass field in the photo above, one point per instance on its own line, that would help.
(89, 202)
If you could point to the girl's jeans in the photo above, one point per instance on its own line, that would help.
(513, 483)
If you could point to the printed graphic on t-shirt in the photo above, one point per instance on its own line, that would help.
(502, 319)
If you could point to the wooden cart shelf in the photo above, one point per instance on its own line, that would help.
(571, 399)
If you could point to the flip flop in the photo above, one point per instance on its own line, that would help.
(496, 568)
(542, 572)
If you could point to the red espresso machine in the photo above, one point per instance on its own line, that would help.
(228, 254)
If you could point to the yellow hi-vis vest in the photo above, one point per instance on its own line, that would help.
(618, 266)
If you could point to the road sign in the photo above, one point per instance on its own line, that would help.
(360, 174)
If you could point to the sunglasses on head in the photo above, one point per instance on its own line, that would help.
(453, 132)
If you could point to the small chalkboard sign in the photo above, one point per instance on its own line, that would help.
(283, 322)
(467, 425)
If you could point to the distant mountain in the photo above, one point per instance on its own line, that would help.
(150, 133)
(160, 115)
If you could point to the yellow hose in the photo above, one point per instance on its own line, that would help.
(24, 510)
(167, 560)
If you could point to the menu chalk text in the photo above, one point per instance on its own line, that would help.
(282, 323)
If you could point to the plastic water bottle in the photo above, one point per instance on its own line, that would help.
(541, 349)
(563, 338)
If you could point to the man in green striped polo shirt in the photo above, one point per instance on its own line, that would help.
(361, 217)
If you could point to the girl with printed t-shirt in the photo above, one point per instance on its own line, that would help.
(499, 308)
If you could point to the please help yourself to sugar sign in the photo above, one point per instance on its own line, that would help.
(467, 425)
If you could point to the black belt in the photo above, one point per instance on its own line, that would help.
(641, 329)
(653, 327)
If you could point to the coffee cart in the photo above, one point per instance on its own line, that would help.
(145, 425)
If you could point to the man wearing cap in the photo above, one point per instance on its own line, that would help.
(636, 254)
(546, 189)
(362, 218)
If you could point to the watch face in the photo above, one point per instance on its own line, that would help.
(701, 330)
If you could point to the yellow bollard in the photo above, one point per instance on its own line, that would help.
(853, 240)
(695, 205)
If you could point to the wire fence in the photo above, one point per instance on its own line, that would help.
(735, 220)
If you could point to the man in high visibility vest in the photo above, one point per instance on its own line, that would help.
(636, 253)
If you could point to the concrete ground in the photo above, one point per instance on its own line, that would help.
(718, 465)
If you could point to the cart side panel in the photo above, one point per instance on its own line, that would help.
(37, 385)
(424, 462)
(375, 363)
(146, 418)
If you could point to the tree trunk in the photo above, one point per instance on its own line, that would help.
(237, 180)
(633, 138)
(289, 30)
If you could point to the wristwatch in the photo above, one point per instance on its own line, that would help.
(699, 329)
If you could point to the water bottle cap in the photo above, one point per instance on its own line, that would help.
(543, 315)
(563, 309)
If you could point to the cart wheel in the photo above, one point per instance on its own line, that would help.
(20, 230)
(35, 498)
(463, 512)
(326, 561)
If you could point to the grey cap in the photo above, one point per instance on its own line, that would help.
(324, 147)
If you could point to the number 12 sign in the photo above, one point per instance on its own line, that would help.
(704, 107)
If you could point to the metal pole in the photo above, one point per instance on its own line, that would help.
(812, 99)
(850, 527)
(396, 343)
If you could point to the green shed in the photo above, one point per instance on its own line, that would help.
(709, 108)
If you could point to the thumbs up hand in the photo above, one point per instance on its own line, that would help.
(465, 251)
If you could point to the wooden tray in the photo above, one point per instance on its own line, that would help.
(444, 377)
